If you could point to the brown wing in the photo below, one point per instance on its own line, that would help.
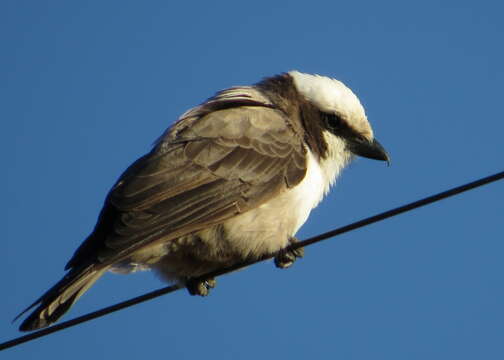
(209, 168)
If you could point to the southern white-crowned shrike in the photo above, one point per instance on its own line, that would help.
(232, 180)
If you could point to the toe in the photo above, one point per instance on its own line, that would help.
(197, 287)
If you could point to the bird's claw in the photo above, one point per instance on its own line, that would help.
(285, 258)
(201, 288)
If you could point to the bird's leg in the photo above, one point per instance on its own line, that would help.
(198, 287)
(285, 258)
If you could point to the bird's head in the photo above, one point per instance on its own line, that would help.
(341, 112)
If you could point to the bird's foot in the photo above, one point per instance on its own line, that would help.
(285, 258)
(201, 288)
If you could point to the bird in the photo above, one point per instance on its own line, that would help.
(232, 180)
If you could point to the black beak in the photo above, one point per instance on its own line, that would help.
(369, 149)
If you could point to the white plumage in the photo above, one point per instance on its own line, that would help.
(232, 180)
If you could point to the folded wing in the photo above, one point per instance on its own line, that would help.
(226, 162)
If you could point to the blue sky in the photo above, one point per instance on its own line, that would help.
(87, 86)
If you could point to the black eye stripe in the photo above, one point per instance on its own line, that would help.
(333, 121)
(340, 127)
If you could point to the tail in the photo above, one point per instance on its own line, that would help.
(58, 299)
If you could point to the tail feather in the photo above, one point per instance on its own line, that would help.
(58, 299)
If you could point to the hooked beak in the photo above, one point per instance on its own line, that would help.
(369, 149)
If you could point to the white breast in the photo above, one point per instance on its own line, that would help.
(307, 195)
(268, 228)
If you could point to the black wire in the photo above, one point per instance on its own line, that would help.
(310, 241)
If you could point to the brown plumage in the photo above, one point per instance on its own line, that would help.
(183, 208)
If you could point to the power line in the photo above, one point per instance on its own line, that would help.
(307, 242)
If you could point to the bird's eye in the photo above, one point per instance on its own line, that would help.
(333, 121)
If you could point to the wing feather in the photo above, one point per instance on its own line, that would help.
(211, 166)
